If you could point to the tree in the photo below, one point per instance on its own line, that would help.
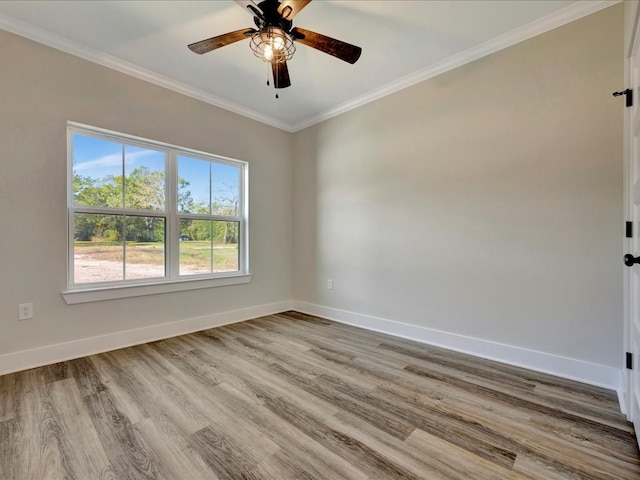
(226, 203)
(185, 200)
(141, 189)
(144, 189)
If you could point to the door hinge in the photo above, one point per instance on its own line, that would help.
(629, 360)
(628, 93)
(628, 229)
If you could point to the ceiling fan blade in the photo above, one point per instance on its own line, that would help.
(290, 8)
(339, 49)
(212, 43)
(251, 7)
(280, 75)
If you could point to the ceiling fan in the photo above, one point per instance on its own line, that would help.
(273, 40)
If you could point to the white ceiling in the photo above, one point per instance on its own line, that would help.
(403, 42)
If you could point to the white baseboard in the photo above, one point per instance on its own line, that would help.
(564, 367)
(25, 359)
(569, 368)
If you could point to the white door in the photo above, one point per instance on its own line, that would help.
(632, 194)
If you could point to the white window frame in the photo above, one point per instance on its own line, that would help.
(172, 281)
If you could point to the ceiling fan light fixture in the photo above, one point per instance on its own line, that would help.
(272, 44)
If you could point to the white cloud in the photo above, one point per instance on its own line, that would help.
(112, 160)
(101, 162)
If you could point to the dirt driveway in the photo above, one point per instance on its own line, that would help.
(90, 270)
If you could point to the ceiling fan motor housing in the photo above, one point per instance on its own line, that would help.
(271, 17)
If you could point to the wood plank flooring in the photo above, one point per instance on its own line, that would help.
(291, 397)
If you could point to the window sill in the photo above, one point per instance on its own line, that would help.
(125, 291)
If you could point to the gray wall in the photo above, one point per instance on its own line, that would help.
(485, 202)
(40, 90)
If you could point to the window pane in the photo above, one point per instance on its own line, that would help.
(195, 246)
(226, 238)
(98, 248)
(97, 172)
(144, 178)
(144, 249)
(194, 187)
(225, 186)
(208, 246)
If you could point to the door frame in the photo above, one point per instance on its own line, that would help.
(631, 26)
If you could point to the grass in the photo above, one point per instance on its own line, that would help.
(192, 253)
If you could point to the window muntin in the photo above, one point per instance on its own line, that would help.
(145, 212)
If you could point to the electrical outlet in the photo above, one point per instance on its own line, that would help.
(330, 284)
(25, 311)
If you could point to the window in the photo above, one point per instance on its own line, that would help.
(143, 212)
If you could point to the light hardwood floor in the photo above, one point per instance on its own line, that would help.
(291, 397)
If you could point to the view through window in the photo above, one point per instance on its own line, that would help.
(144, 212)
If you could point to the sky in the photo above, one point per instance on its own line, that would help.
(98, 158)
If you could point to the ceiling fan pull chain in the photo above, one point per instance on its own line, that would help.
(268, 75)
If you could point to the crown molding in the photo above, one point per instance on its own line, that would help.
(49, 39)
(557, 19)
(562, 17)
